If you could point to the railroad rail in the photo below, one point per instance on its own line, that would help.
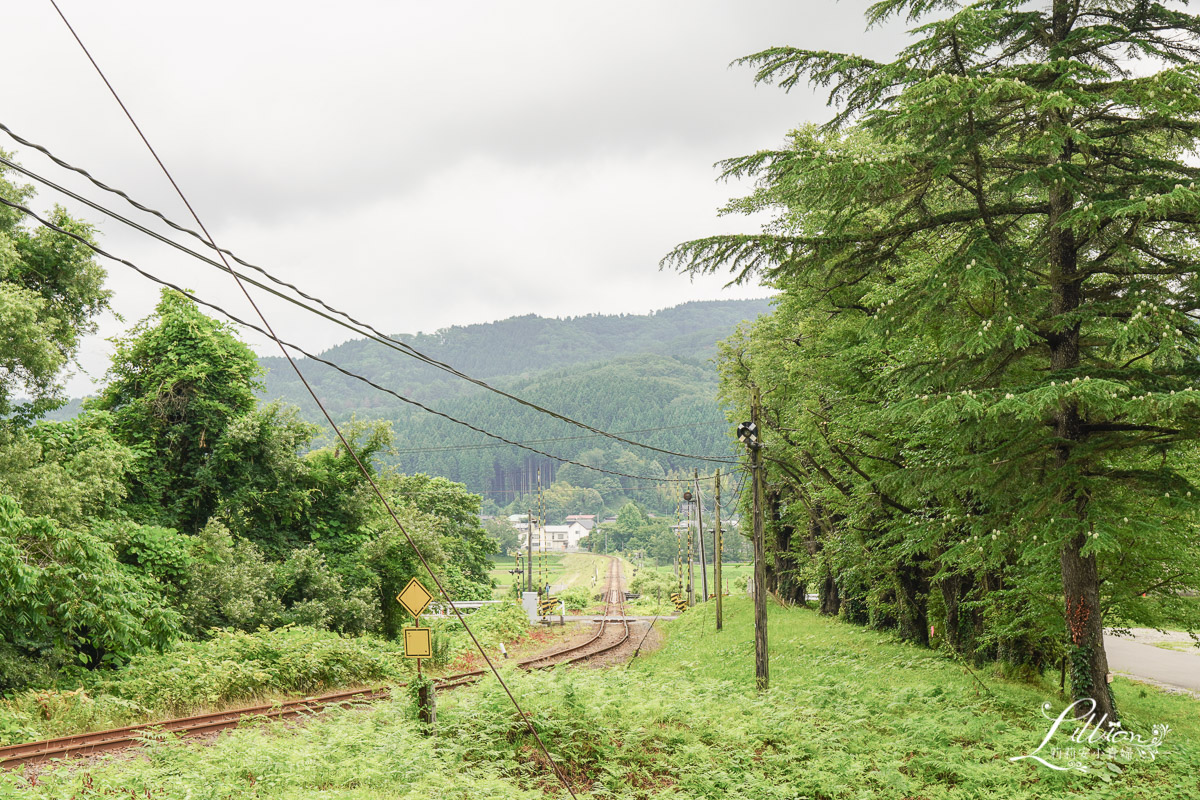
(85, 744)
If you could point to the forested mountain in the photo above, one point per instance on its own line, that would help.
(618, 373)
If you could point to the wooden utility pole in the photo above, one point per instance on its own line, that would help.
(529, 544)
(691, 585)
(700, 527)
(760, 558)
(717, 545)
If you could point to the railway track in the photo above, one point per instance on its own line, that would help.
(607, 638)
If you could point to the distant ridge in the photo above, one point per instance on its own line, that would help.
(619, 372)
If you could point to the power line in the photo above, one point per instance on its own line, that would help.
(362, 467)
(73, 195)
(374, 334)
(349, 373)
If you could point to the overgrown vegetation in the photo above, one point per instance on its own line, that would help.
(231, 668)
(851, 713)
(176, 507)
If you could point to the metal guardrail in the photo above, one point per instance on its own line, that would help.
(440, 608)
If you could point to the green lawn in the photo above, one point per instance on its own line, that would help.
(561, 570)
(851, 714)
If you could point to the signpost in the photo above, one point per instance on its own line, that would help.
(418, 644)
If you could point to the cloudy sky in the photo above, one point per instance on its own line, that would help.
(418, 164)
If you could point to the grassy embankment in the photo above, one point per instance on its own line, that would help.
(851, 714)
(560, 570)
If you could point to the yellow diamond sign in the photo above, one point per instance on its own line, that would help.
(418, 643)
(414, 597)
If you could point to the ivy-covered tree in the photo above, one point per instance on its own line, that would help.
(463, 538)
(1009, 209)
(177, 382)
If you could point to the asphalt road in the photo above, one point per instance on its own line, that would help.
(1147, 661)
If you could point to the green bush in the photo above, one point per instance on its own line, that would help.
(491, 625)
(68, 599)
(235, 665)
(653, 583)
(231, 585)
(314, 595)
(578, 598)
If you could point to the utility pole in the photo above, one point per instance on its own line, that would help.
(700, 527)
(691, 584)
(717, 545)
(529, 545)
(749, 434)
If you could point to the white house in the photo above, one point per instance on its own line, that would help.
(558, 538)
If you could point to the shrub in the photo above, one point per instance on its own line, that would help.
(491, 625)
(235, 665)
(653, 583)
(66, 593)
(230, 585)
(315, 596)
(578, 598)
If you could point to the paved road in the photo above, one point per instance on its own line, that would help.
(1147, 661)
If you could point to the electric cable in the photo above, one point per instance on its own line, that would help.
(503, 442)
(333, 365)
(374, 334)
(362, 467)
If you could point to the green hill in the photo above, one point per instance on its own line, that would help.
(616, 372)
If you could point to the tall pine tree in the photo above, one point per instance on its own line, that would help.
(1013, 193)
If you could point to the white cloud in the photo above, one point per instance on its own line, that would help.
(421, 164)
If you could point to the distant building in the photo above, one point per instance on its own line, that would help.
(558, 538)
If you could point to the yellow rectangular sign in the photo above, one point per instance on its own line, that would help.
(418, 642)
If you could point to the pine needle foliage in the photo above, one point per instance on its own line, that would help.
(991, 281)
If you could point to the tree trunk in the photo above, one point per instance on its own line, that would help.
(1081, 580)
(390, 609)
(783, 569)
(1088, 661)
(912, 600)
(963, 626)
(830, 602)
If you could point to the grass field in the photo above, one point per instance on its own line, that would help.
(851, 714)
(561, 571)
(730, 574)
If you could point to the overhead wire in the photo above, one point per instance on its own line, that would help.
(80, 198)
(368, 331)
(362, 467)
(318, 359)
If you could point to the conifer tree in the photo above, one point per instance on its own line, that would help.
(1010, 208)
